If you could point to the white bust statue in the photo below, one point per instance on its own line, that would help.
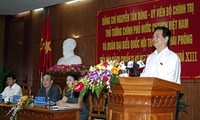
(68, 53)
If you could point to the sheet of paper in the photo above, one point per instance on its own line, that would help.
(60, 108)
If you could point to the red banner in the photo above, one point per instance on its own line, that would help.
(126, 32)
(45, 56)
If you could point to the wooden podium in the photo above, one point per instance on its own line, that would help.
(143, 98)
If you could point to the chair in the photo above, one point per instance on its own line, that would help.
(26, 89)
(98, 107)
(59, 88)
(65, 90)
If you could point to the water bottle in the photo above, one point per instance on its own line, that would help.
(48, 103)
(33, 101)
(6, 100)
(11, 99)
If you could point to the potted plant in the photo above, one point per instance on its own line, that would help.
(3, 73)
(182, 106)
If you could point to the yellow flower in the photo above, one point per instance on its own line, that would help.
(115, 70)
(100, 66)
(24, 98)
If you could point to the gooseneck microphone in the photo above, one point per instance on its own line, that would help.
(135, 67)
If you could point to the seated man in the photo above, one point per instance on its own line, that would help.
(48, 89)
(68, 53)
(12, 89)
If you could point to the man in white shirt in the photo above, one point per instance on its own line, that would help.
(162, 63)
(12, 89)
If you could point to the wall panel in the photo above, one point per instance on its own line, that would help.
(79, 19)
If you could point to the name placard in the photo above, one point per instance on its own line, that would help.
(1, 98)
(40, 101)
(15, 98)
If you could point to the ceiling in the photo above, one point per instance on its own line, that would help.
(12, 7)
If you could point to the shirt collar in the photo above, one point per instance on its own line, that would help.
(162, 52)
(13, 86)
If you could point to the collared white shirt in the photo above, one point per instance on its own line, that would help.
(10, 91)
(165, 65)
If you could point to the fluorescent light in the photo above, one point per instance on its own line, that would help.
(73, 1)
(22, 14)
(39, 9)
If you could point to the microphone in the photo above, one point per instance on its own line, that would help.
(141, 64)
(135, 68)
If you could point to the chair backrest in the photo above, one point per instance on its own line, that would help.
(64, 91)
(59, 88)
(26, 89)
(98, 107)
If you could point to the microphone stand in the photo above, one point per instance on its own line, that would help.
(134, 70)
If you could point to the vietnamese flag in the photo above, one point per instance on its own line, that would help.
(45, 56)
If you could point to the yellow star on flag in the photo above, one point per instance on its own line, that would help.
(47, 47)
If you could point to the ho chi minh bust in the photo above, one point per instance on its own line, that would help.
(68, 53)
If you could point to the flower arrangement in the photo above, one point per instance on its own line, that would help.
(98, 77)
(65, 69)
(22, 103)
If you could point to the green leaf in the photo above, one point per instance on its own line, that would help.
(182, 106)
(93, 88)
(83, 92)
(114, 79)
(98, 91)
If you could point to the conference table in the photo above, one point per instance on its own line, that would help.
(40, 113)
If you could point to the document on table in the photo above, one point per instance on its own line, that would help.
(60, 108)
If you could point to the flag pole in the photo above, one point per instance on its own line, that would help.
(41, 74)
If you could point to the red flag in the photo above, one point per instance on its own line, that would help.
(45, 56)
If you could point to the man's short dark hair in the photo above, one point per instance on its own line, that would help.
(47, 73)
(166, 33)
(12, 76)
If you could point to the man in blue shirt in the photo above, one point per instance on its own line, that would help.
(48, 89)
